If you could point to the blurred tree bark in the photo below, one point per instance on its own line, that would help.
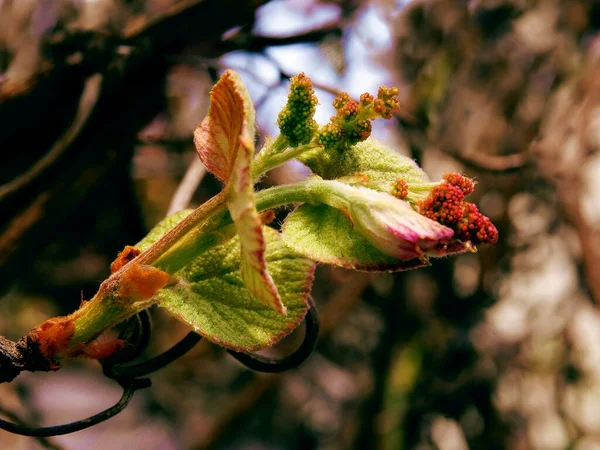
(73, 119)
(508, 90)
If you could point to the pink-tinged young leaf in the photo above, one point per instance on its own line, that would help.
(249, 227)
(230, 116)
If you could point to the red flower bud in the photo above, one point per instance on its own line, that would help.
(445, 205)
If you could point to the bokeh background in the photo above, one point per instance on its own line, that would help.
(494, 350)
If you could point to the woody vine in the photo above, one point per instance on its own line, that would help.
(242, 284)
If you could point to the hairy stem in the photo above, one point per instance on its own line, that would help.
(161, 250)
(310, 191)
(275, 153)
(106, 309)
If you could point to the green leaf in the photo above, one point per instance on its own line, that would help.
(211, 296)
(326, 235)
(369, 163)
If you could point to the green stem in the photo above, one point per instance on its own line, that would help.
(99, 314)
(312, 191)
(162, 250)
(284, 194)
(275, 154)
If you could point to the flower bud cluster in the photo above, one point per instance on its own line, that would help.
(400, 189)
(296, 121)
(464, 183)
(352, 122)
(445, 205)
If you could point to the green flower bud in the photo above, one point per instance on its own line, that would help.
(352, 122)
(296, 121)
(331, 136)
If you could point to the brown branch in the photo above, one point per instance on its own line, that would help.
(258, 43)
(493, 163)
(15, 88)
(93, 146)
(140, 25)
(569, 184)
(16, 357)
(171, 28)
(87, 102)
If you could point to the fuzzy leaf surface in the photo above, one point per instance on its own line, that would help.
(325, 234)
(211, 296)
(369, 164)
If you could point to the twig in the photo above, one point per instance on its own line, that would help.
(259, 43)
(15, 88)
(129, 388)
(570, 193)
(185, 191)
(140, 27)
(323, 87)
(569, 183)
(340, 303)
(140, 24)
(87, 102)
(13, 416)
(292, 360)
(493, 163)
(588, 236)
